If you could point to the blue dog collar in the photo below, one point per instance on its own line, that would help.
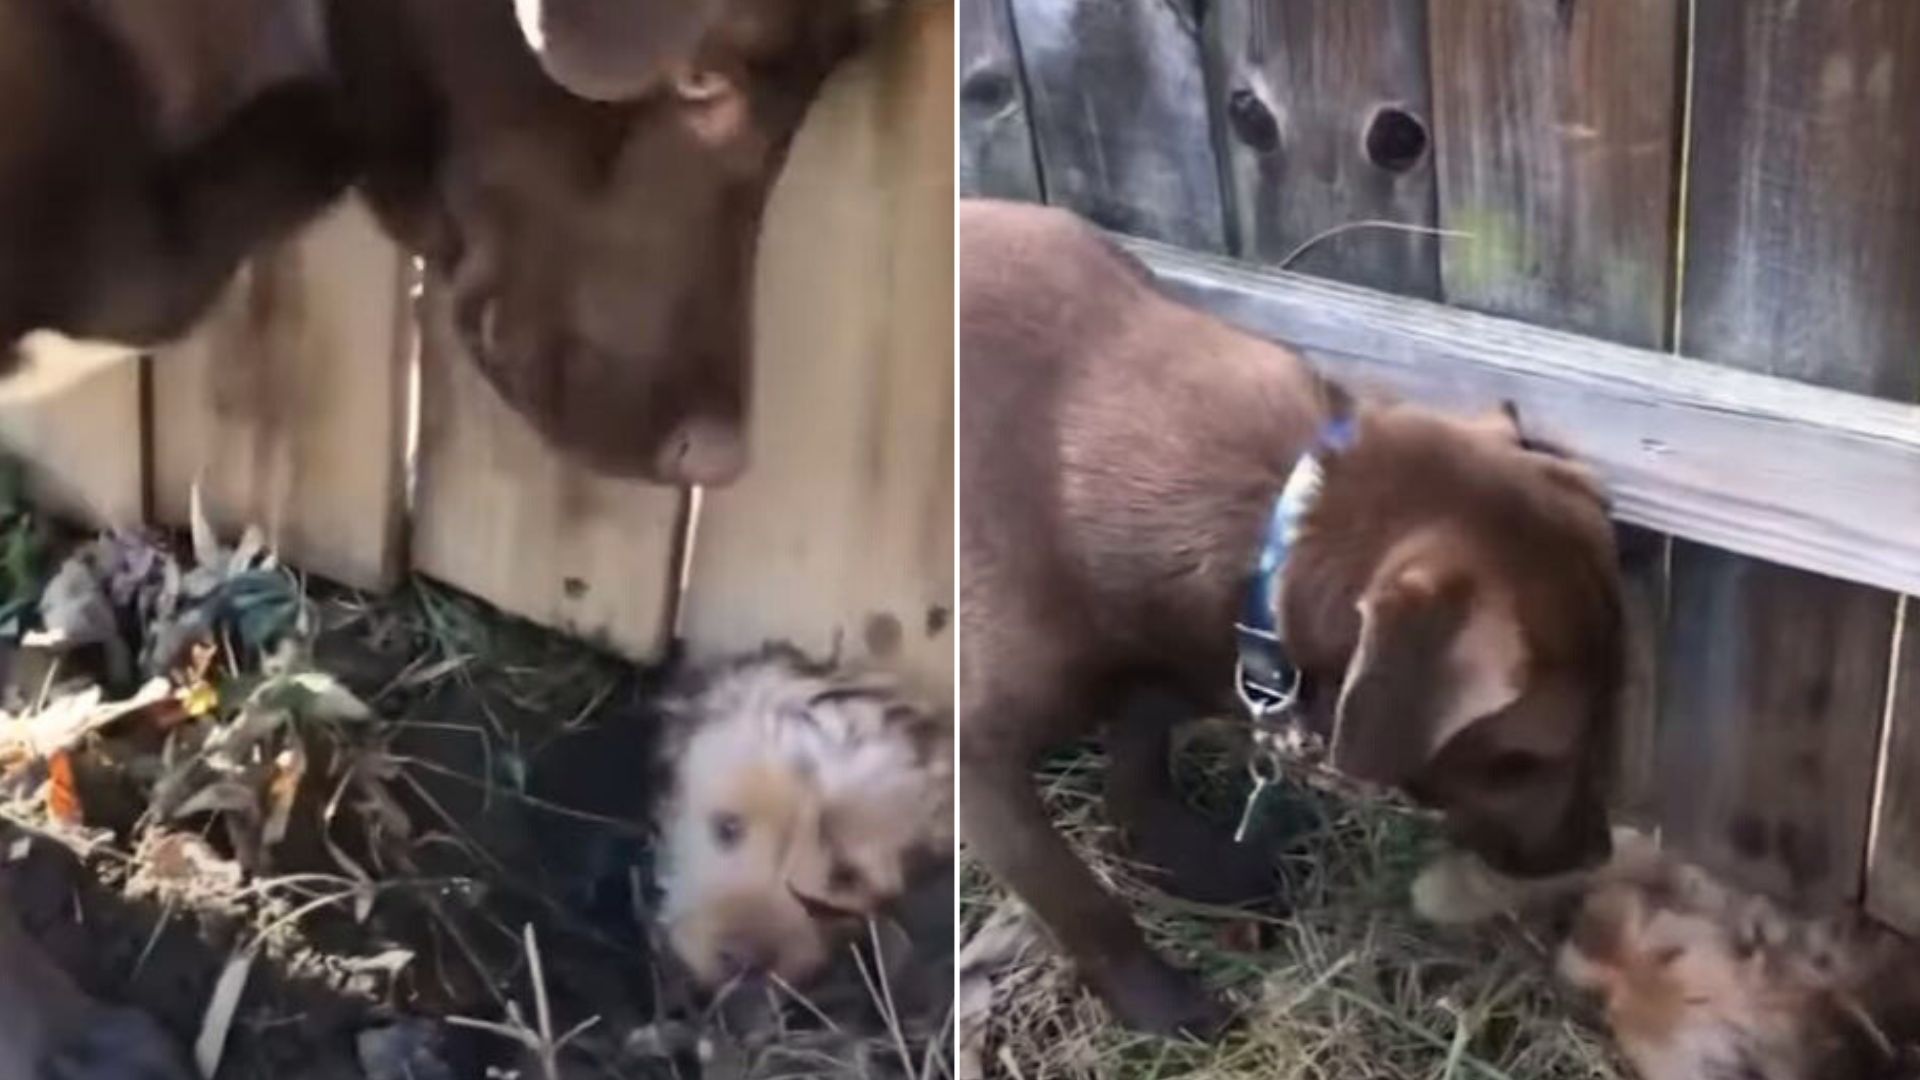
(1266, 681)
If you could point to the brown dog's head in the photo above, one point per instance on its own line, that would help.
(1458, 586)
(599, 252)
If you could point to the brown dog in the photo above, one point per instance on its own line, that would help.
(146, 148)
(599, 254)
(1452, 601)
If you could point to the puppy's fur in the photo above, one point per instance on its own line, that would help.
(1702, 983)
(1452, 601)
(798, 798)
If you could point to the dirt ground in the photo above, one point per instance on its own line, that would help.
(415, 827)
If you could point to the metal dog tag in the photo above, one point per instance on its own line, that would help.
(1264, 768)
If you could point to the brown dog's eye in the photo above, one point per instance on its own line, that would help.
(728, 829)
(1514, 768)
(701, 84)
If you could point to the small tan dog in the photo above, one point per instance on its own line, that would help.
(1701, 983)
(1704, 984)
(798, 800)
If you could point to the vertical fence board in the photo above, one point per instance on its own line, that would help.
(841, 532)
(1562, 173)
(1299, 85)
(289, 403)
(1803, 217)
(1893, 865)
(996, 142)
(1557, 131)
(79, 443)
(1118, 104)
(499, 513)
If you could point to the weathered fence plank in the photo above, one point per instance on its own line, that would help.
(1893, 862)
(1323, 108)
(1782, 470)
(996, 151)
(1802, 220)
(1560, 171)
(1118, 105)
(1557, 128)
(498, 513)
(288, 403)
(78, 439)
(841, 532)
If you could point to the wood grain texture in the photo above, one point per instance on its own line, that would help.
(1770, 723)
(1557, 130)
(498, 513)
(996, 141)
(79, 442)
(1803, 217)
(840, 536)
(1299, 85)
(1893, 863)
(1118, 103)
(1557, 126)
(1782, 470)
(289, 403)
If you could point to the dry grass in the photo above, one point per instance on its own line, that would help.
(1348, 986)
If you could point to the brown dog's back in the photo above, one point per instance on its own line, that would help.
(1066, 375)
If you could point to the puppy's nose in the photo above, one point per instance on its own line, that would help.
(704, 451)
(739, 958)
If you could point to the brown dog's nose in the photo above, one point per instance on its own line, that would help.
(703, 451)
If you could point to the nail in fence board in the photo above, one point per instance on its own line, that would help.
(288, 403)
(1556, 129)
(996, 143)
(501, 515)
(841, 532)
(1324, 122)
(1118, 105)
(78, 440)
(1803, 220)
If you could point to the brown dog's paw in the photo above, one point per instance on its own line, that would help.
(1152, 996)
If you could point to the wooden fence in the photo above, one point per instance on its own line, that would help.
(295, 405)
(1594, 188)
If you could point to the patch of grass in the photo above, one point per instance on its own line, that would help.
(1348, 985)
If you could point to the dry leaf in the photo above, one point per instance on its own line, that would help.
(218, 1021)
(63, 796)
(289, 768)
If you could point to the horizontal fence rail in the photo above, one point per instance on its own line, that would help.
(1799, 475)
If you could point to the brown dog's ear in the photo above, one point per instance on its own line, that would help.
(201, 61)
(614, 50)
(1435, 655)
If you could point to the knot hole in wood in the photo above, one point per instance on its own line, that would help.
(1396, 139)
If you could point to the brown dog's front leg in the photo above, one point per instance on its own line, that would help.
(1005, 825)
(1198, 858)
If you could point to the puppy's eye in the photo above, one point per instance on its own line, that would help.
(728, 829)
(843, 878)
